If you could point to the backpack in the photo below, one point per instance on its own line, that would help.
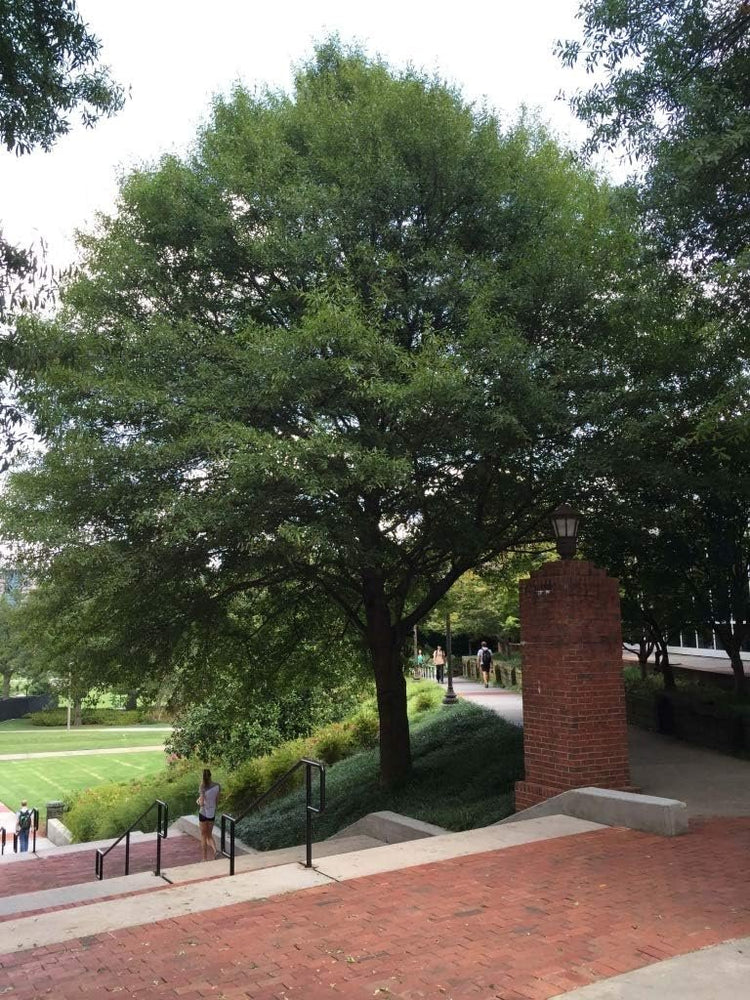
(24, 820)
(486, 657)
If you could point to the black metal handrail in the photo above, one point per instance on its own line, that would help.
(162, 822)
(229, 822)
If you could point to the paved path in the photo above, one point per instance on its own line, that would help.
(78, 753)
(711, 783)
(508, 704)
(716, 664)
(527, 923)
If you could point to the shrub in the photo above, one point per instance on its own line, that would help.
(423, 696)
(91, 717)
(332, 743)
(108, 810)
(692, 711)
(365, 727)
(228, 728)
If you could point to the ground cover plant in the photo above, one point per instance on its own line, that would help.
(21, 736)
(47, 779)
(466, 761)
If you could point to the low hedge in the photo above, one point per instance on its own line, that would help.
(699, 715)
(92, 717)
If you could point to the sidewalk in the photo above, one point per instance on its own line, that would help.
(711, 783)
(507, 704)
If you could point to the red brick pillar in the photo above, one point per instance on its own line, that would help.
(574, 728)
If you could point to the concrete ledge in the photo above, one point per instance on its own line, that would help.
(189, 825)
(390, 828)
(58, 833)
(667, 817)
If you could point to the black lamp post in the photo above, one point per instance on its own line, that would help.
(450, 695)
(565, 523)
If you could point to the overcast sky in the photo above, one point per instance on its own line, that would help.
(174, 55)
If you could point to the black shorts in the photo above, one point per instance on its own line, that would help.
(206, 819)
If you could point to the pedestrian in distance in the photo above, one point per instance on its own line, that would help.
(24, 824)
(208, 798)
(484, 662)
(420, 663)
(438, 658)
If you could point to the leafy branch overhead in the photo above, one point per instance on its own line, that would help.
(48, 69)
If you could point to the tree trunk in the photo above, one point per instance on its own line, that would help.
(131, 702)
(6, 683)
(666, 669)
(390, 685)
(738, 669)
(645, 648)
(662, 663)
(732, 641)
(395, 748)
(77, 721)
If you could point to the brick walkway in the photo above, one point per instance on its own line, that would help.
(526, 923)
(49, 872)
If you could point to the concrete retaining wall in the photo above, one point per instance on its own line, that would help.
(390, 827)
(667, 817)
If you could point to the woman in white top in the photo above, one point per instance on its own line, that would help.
(208, 797)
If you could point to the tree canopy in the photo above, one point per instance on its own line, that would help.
(337, 356)
(673, 85)
(48, 68)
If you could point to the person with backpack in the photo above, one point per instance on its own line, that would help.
(484, 662)
(24, 823)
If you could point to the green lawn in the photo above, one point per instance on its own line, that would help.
(48, 778)
(19, 736)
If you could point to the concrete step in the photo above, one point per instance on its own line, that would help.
(269, 859)
(61, 867)
(100, 917)
(81, 892)
(58, 897)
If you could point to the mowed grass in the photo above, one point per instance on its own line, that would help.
(19, 736)
(46, 779)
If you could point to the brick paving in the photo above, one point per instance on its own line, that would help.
(52, 871)
(526, 923)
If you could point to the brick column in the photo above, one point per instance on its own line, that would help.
(574, 728)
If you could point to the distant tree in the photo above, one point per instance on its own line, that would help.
(484, 603)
